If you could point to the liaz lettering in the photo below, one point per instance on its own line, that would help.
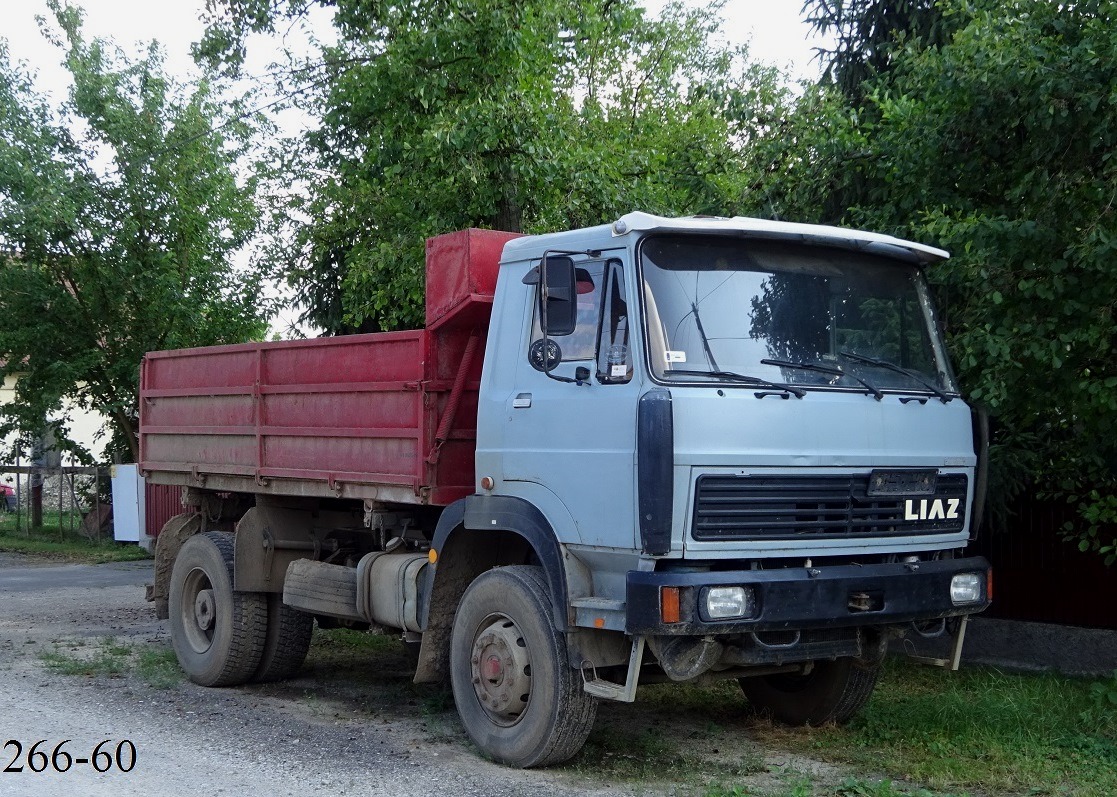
(931, 509)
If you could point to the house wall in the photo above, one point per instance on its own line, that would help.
(83, 425)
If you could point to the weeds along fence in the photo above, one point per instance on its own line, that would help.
(70, 496)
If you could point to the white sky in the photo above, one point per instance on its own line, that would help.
(773, 29)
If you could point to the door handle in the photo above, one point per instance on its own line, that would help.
(522, 401)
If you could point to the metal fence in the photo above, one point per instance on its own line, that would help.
(71, 493)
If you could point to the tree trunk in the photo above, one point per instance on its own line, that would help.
(128, 429)
(509, 214)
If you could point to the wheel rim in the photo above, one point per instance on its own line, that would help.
(199, 610)
(500, 668)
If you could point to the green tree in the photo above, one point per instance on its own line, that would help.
(869, 34)
(521, 115)
(119, 213)
(999, 146)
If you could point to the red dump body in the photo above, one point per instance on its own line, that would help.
(389, 416)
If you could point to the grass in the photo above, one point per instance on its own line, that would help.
(800, 786)
(926, 733)
(631, 754)
(977, 730)
(155, 665)
(347, 639)
(158, 667)
(54, 540)
(109, 659)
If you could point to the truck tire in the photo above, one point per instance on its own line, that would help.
(834, 691)
(217, 634)
(286, 643)
(520, 701)
(320, 588)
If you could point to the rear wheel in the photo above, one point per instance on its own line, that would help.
(520, 701)
(286, 642)
(218, 634)
(833, 691)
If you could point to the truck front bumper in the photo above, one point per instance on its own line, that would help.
(803, 598)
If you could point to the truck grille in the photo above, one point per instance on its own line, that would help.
(775, 507)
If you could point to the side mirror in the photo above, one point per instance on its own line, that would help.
(558, 297)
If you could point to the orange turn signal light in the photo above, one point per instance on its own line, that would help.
(669, 611)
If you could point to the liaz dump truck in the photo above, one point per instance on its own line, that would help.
(658, 449)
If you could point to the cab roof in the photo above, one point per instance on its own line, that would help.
(816, 234)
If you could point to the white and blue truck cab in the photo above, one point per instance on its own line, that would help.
(746, 441)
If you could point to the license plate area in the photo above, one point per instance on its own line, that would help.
(902, 482)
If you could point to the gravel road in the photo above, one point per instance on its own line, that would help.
(196, 741)
(344, 726)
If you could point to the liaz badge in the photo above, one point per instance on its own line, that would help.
(931, 509)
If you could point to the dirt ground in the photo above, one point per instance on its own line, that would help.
(350, 723)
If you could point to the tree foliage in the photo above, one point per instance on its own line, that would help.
(869, 35)
(514, 114)
(119, 213)
(999, 145)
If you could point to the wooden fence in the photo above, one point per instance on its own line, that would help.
(1039, 577)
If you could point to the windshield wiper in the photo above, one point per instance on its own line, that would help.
(826, 369)
(748, 380)
(915, 375)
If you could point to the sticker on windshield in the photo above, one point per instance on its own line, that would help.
(676, 356)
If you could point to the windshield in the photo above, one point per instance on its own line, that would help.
(827, 317)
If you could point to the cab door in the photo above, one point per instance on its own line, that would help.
(571, 440)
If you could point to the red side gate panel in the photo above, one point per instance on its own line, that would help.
(385, 415)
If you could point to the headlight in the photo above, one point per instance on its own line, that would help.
(965, 588)
(723, 603)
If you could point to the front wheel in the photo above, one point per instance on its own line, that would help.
(519, 699)
(833, 691)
